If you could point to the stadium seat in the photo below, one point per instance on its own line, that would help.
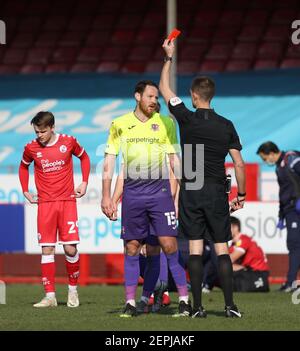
(244, 50)
(277, 34)
(283, 16)
(231, 18)
(14, 56)
(23, 40)
(89, 55)
(38, 56)
(188, 52)
(206, 18)
(108, 67)
(225, 35)
(37, 7)
(140, 53)
(123, 36)
(129, 21)
(262, 4)
(32, 69)
(14, 8)
(9, 69)
(104, 21)
(270, 51)
(212, 66)
(290, 63)
(87, 7)
(188, 67)
(47, 39)
(73, 39)
(57, 68)
(83, 67)
(288, 4)
(211, 4)
(293, 51)
(154, 67)
(265, 64)
(256, 17)
(55, 23)
(200, 35)
(80, 23)
(30, 24)
(97, 38)
(154, 20)
(146, 36)
(114, 53)
(238, 65)
(108, 6)
(64, 54)
(219, 51)
(251, 33)
(133, 67)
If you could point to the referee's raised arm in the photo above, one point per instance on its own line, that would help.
(164, 83)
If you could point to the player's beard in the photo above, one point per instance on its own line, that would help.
(145, 110)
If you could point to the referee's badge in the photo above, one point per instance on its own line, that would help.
(174, 101)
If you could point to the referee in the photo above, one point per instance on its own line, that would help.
(203, 203)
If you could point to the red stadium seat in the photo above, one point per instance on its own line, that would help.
(244, 51)
(37, 7)
(293, 51)
(108, 6)
(277, 33)
(262, 4)
(154, 66)
(123, 36)
(188, 67)
(140, 53)
(30, 24)
(284, 17)
(212, 66)
(55, 23)
(38, 56)
(238, 65)
(66, 55)
(266, 64)
(225, 35)
(288, 4)
(129, 21)
(189, 52)
(212, 4)
(104, 21)
(115, 53)
(83, 67)
(133, 67)
(290, 63)
(47, 39)
(14, 8)
(154, 20)
(72, 39)
(80, 23)
(89, 55)
(9, 69)
(251, 33)
(108, 66)
(206, 18)
(14, 56)
(87, 7)
(57, 68)
(231, 18)
(97, 38)
(23, 40)
(270, 51)
(219, 51)
(31, 69)
(146, 36)
(200, 35)
(256, 17)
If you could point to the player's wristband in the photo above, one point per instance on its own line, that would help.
(168, 58)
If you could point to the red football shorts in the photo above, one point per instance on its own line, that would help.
(57, 217)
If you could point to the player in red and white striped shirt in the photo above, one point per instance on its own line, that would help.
(56, 198)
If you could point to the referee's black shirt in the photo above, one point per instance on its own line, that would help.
(216, 133)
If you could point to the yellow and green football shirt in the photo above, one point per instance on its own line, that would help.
(144, 145)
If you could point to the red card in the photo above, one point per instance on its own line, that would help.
(174, 34)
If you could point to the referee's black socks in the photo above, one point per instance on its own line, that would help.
(225, 276)
(195, 267)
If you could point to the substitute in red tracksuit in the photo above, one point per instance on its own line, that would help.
(56, 199)
(250, 266)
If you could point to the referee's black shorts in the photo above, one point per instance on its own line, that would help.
(204, 213)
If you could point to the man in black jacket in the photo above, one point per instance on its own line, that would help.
(288, 176)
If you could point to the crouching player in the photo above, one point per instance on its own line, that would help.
(56, 199)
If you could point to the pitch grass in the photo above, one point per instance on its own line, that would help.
(101, 306)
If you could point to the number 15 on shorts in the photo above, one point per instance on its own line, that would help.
(171, 218)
